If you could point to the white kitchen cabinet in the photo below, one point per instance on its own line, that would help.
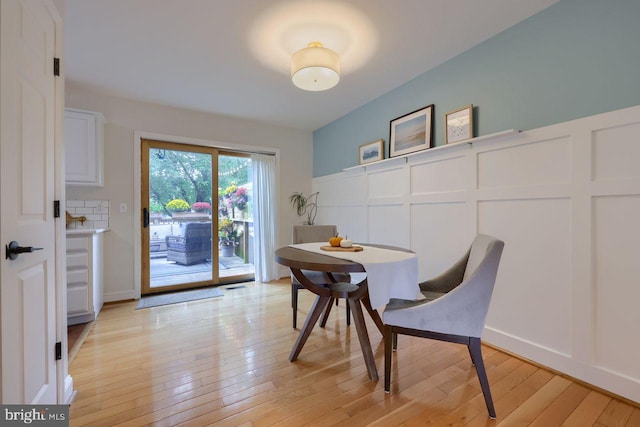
(84, 277)
(83, 147)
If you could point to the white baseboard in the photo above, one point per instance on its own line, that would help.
(608, 380)
(69, 393)
(120, 296)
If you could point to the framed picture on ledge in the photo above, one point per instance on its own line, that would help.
(411, 132)
(371, 152)
(458, 125)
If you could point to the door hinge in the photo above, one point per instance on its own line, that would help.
(56, 208)
(58, 350)
(56, 66)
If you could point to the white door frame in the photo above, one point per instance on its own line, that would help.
(65, 381)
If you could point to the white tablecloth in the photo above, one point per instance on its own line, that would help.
(390, 274)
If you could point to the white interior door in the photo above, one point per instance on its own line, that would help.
(27, 142)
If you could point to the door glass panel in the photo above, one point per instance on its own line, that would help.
(197, 217)
(235, 217)
(180, 211)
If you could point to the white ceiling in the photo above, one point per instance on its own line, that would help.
(215, 55)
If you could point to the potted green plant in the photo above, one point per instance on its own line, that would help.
(179, 209)
(305, 205)
(240, 198)
(227, 237)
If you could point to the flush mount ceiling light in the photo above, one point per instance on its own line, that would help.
(315, 68)
(285, 27)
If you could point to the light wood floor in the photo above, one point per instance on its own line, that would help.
(76, 334)
(224, 361)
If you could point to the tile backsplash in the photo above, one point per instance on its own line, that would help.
(96, 212)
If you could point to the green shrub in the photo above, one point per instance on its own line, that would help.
(156, 207)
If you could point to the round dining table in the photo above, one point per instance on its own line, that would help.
(356, 295)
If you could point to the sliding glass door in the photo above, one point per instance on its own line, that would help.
(195, 232)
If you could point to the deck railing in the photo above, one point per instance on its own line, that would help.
(243, 225)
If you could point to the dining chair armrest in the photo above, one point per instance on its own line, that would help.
(399, 304)
(447, 280)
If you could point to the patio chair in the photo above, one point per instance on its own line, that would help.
(454, 308)
(193, 247)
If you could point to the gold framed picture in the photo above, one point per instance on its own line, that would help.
(458, 125)
(371, 152)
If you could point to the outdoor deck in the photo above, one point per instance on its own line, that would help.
(165, 273)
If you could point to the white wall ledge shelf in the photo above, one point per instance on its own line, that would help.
(439, 148)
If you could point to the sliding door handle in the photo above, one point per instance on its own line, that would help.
(145, 218)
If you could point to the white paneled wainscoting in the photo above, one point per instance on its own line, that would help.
(566, 201)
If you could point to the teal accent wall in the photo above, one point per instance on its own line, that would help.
(574, 59)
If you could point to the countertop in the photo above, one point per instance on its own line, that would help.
(76, 231)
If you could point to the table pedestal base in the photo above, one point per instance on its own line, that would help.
(354, 294)
(298, 259)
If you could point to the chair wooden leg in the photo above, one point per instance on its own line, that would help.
(325, 316)
(327, 311)
(388, 333)
(294, 304)
(475, 349)
(348, 312)
(395, 341)
(348, 315)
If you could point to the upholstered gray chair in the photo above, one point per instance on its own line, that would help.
(310, 234)
(454, 309)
